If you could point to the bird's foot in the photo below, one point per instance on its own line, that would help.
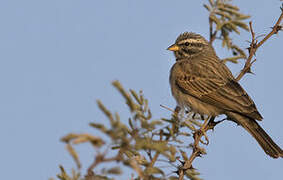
(206, 142)
(202, 132)
(211, 124)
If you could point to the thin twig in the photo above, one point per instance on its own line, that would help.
(252, 50)
(212, 35)
(100, 158)
(277, 27)
(210, 125)
(137, 168)
(197, 151)
(156, 155)
(255, 45)
(100, 161)
(165, 107)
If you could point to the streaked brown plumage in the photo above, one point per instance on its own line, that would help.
(201, 82)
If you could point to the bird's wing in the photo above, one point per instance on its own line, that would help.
(213, 86)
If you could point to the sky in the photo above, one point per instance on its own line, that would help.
(58, 56)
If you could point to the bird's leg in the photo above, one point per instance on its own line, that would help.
(177, 109)
(211, 121)
(211, 124)
(194, 115)
(176, 113)
(206, 142)
(202, 131)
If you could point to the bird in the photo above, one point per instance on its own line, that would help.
(201, 82)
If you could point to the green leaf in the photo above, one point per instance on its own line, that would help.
(226, 15)
(226, 5)
(74, 155)
(105, 110)
(184, 155)
(214, 19)
(243, 17)
(199, 124)
(230, 11)
(192, 174)
(131, 124)
(211, 2)
(154, 123)
(114, 170)
(82, 138)
(233, 59)
(241, 25)
(173, 178)
(232, 27)
(173, 151)
(207, 7)
(147, 143)
(99, 126)
(189, 125)
(135, 95)
(239, 50)
(69, 137)
(153, 170)
(129, 100)
(63, 175)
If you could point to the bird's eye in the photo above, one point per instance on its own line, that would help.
(187, 44)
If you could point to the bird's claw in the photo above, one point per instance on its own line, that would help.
(206, 142)
(212, 123)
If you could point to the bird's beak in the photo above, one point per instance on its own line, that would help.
(173, 47)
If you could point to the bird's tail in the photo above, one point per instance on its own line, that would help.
(267, 144)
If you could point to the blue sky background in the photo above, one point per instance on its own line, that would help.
(59, 56)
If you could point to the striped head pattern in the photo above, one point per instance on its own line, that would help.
(189, 45)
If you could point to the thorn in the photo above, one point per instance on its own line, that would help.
(278, 28)
(250, 72)
(177, 109)
(177, 172)
(185, 169)
(198, 154)
(249, 49)
(249, 68)
(169, 109)
(206, 139)
(182, 162)
(212, 124)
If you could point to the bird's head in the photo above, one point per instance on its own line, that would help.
(188, 45)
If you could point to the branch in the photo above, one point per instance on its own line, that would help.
(212, 35)
(197, 150)
(255, 45)
(137, 168)
(100, 158)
